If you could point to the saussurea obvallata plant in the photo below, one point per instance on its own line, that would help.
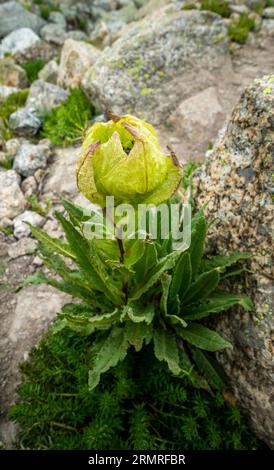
(132, 291)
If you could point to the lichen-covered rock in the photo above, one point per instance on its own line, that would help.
(236, 182)
(159, 61)
(12, 74)
(21, 229)
(40, 50)
(18, 41)
(31, 157)
(49, 72)
(24, 123)
(12, 200)
(43, 97)
(13, 16)
(76, 58)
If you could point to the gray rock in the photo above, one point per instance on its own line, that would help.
(29, 186)
(54, 33)
(61, 178)
(158, 62)
(18, 41)
(268, 13)
(24, 246)
(25, 123)
(36, 307)
(77, 35)
(50, 72)
(197, 119)
(30, 157)
(6, 91)
(12, 200)
(43, 97)
(76, 58)
(21, 229)
(13, 15)
(236, 182)
(12, 74)
(58, 18)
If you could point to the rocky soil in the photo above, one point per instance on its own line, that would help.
(180, 69)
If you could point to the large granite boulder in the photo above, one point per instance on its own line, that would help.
(13, 16)
(237, 183)
(160, 61)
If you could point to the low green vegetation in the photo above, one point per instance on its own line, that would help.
(36, 206)
(7, 107)
(32, 68)
(221, 7)
(138, 405)
(67, 123)
(238, 31)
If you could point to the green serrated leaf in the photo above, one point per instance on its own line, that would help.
(198, 235)
(223, 262)
(165, 281)
(134, 250)
(155, 274)
(54, 245)
(87, 324)
(146, 263)
(112, 351)
(209, 368)
(202, 287)
(202, 337)
(138, 333)
(138, 313)
(218, 302)
(166, 349)
(181, 280)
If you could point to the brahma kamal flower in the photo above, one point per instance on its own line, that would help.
(124, 159)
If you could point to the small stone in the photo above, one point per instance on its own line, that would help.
(76, 58)
(268, 13)
(57, 17)
(54, 33)
(25, 123)
(43, 97)
(76, 34)
(12, 15)
(268, 27)
(5, 91)
(29, 186)
(24, 246)
(21, 229)
(18, 41)
(49, 73)
(30, 157)
(5, 222)
(61, 177)
(12, 74)
(37, 261)
(12, 200)
(12, 146)
(53, 228)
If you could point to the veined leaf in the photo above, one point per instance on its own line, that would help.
(166, 349)
(80, 248)
(155, 273)
(76, 213)
(181, 280)
(138, 333)
(86, 324)
(223, 262)
(165, 280)
(113, 350)
(218, 302)
(146, 263)
(203, 337)
(208, 367)
(198, 235)
(54, 245)
(134, 250)
(202, 287)
(139, 313)
(68, 288)
(175, 320)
